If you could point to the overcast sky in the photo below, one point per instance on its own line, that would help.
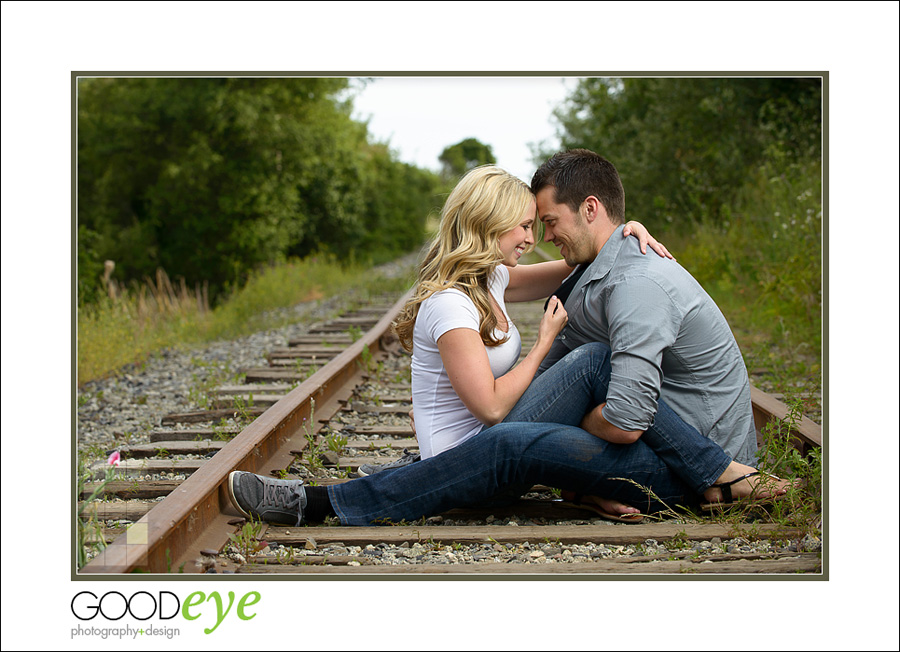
(420, 116)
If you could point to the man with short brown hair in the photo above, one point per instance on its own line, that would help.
(668, 338)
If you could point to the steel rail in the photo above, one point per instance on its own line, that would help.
(196, 515)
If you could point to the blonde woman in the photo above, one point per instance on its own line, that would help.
(484, 428)
(464, 345)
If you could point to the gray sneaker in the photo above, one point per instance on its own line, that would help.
(407, 459)
(267, 499)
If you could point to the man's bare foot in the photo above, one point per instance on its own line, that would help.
(611, 506)
(742, 481)
(605, 507)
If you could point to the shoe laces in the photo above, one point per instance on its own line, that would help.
(405, 459)
(281, 495)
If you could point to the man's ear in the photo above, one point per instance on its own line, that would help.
(592, 208)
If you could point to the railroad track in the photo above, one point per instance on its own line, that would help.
(337, 398)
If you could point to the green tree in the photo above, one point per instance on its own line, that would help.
(685, 146)
(458, 159)
(212, 178)
(392, 190)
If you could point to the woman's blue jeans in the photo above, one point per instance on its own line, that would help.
(540, 443)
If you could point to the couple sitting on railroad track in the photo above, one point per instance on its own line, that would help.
(635, 382)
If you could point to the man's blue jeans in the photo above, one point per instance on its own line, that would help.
(580, 381)
(535, 450)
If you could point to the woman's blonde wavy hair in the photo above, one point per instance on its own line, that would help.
(487, 203)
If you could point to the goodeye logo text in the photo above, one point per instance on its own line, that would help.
(165, 605)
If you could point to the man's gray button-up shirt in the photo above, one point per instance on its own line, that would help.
(668, 338)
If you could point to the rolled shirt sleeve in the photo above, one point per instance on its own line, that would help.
(643, 321)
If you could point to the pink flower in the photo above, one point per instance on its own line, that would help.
(114, 459)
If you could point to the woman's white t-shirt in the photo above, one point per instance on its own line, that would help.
(442, 420)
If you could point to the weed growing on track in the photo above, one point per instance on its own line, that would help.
(286, 555)
(220, 431)
(802, 506)
(336, 443)
(368, 364)
(206, 377)
(355, 332)
(242, 408)
(246, 540)
(312, 454)
(89, 529)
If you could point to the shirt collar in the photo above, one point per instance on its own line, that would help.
(603, 262)
(607, 256)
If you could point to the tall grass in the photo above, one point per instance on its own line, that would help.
(149, 317)
(763, 267)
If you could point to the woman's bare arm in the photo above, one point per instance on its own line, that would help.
(538, 280)
(490, 399)
(535, 281)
